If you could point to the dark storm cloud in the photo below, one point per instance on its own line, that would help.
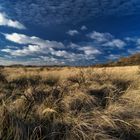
(44, 12)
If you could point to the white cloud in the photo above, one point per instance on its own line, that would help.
(89, 50)
(6, 21)
(106, 39)
(52, 51)
(72, 32)
(100, 37)
(31, 49)
(33, 45)
(84, 28)
(35, 50)
(115, 43)
(43, 56)
(60, 53)
(24, 39)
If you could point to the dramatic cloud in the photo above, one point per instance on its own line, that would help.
(5, 21)
(34, 45)
(63, 11)
(57, 51)
(68, 31)
(72, 32)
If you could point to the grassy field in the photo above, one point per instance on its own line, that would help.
(70, 103)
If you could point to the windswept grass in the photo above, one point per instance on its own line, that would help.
(70, 103)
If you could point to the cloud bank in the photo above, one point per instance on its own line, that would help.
(39, 49)
(45, 51)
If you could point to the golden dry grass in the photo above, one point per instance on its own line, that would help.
(70, 103)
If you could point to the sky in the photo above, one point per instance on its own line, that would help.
(68, 32)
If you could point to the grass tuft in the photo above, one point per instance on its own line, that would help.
(70, 103)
